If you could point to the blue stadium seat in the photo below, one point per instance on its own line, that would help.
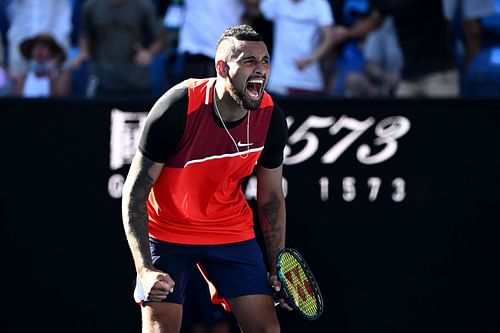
(482, 76)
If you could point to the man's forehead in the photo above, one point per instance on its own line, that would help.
(245, 48)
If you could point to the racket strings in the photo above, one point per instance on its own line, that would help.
(298, 285)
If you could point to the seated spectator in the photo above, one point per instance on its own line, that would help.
(45, 76)
(120, 39)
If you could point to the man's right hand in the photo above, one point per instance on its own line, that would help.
(156, 284)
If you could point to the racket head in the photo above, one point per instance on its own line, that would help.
(298, 285)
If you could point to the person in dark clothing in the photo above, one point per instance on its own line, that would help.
(429, 67)
(120, 38)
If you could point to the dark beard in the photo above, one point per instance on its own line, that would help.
(240, 98)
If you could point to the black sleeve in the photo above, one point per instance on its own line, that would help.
(277, 136)
(165, 124)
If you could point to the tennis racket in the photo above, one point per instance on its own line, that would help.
(298, 285)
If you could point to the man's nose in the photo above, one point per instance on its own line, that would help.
(260, 68)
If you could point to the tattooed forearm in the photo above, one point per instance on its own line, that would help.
(134, 211)
(272, 221)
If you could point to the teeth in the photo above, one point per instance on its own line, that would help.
(260, 82)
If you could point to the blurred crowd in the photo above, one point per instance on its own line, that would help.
(332, 48)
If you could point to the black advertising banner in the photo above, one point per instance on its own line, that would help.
(393, 203)
(396, 204)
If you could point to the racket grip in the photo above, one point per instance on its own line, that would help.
(277, 296)
(276, 299)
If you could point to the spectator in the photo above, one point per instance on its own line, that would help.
(46, 75)
(160, 6)
(120, 38)
(254, 18)
(203, 23)
(382, 65)
(344, 68)
(469, 13)
(173, 18)
(383, 58)
(429, 66)
(30, 17)
(302, 37)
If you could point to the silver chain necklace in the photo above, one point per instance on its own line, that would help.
(227, 131)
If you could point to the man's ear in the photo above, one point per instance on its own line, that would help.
(222, 68)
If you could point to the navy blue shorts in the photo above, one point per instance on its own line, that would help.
(235, 269)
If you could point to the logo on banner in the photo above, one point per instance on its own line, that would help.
(126, 129)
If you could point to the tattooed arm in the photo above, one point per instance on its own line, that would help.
(271, 206)
(141, 177)
(272, 216)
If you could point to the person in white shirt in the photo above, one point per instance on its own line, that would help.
(202, 24)
(303, 35)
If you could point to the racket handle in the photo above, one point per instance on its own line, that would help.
(276, 298)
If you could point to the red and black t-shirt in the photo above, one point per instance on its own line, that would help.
(197, 198)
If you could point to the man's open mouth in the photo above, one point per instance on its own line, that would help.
(255, 87)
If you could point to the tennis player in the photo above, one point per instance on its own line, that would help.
(183, 205)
